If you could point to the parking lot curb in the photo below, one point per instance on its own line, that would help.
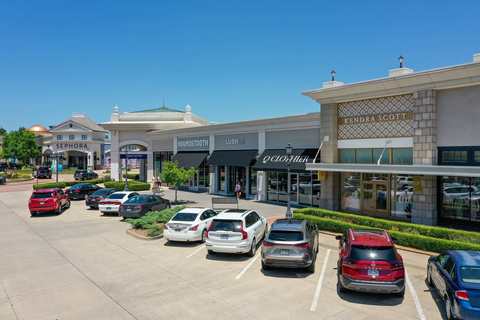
(139, 237)
(429, 253)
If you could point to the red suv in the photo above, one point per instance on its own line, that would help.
(48, 200)
(369, 262)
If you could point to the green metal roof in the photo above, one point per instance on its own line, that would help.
(158, 110)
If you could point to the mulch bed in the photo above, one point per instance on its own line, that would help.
(144, 232)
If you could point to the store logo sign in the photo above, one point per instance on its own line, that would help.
(71, 146)
(377, 118)
(235, 141)
(284, 158)
(193, 143)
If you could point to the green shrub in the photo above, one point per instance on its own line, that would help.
(49, 185)
(25, 176)
(151, 218)
(133, 176)
(72, 183)
(403, 239)
(132, 185)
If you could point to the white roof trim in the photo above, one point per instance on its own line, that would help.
(417, 170)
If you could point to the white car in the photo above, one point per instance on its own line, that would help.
(190, 224)
(236, 231)
(112, 203)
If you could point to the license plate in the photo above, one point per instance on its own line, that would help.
(128, 209)
(41, 202)
(284, 251)
(372, 272)
(178, 230)
(224, 236)
(108, 208)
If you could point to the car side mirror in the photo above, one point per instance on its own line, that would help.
(394, 240)
(338, 238)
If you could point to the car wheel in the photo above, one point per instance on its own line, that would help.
(210, 251)
(448, 309)
(265, 267)
(59, 210)
(85, 196)
(311, 268)
(204, 235)
(341, 288)
(67, 205)
(429, 277)
(92, 207)
(33, 213)
(253, 249)
(168, 206)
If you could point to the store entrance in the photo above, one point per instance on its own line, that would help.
(238, 174)
(375, 199)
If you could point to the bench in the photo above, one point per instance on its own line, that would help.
(224, 200)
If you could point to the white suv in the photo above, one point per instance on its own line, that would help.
(236, 231)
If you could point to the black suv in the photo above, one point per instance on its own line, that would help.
(4, 166)
(85, 175)
(42, 172)
(291, 243)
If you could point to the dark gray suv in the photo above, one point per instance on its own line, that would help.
(291, 243)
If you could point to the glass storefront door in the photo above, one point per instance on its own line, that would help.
(375, 200)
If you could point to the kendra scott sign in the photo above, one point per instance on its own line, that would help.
(377, 118)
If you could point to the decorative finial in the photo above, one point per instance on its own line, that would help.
(116, 109)
(188, 108)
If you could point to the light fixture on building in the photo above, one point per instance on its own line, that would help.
(289, 153)
(386, 143)
(333, 75)
(401, 61)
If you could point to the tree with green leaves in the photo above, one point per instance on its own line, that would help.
(2, 131)
(176, 176)
(20, 144)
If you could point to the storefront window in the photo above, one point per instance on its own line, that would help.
(347, 155)
(376, 153)
(460, 198)
(375, 177)
(253, 182)
(401, 196)
(221, 176)
(350, 191)
(402, 156)
(363, 155)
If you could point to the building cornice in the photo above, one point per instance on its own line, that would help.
(438, 79)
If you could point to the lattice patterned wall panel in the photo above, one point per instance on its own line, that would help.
(371, 130)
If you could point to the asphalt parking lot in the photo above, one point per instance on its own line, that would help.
(82, 265)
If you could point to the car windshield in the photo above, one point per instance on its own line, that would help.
(136, 199)
(42, 195)
(116, 196)
(226, 225)
(185, 216)
(470, 274)
(77, 186)
(362, 253)
(286, 235)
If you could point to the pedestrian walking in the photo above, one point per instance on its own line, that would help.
(238, 190)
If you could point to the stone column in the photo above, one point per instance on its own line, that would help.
(330, 197)
(425, 153)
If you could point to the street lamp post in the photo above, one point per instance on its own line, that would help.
(126, 172)
(289, 153)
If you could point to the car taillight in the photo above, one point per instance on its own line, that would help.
(165, 227)
(101, 203)
(121, 208)
(206, 236)
(397, 264)
(116, 203)
(267, 244)
(88, 199)
(194, 228)
(137, 208)
(302, 245)
(462, 295)
(76, 191)
(244, 233)
(54, 199)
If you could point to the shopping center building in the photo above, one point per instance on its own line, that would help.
(402, 148)
(407, 143)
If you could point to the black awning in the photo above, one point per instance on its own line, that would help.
(234, 158)
(277, 159)
(189, 159)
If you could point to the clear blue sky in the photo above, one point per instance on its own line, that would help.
(229, 60)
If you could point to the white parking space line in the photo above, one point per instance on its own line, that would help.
(196, 251)
(320, 280)
(114, 219)
(249, 265)
(415, 297)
